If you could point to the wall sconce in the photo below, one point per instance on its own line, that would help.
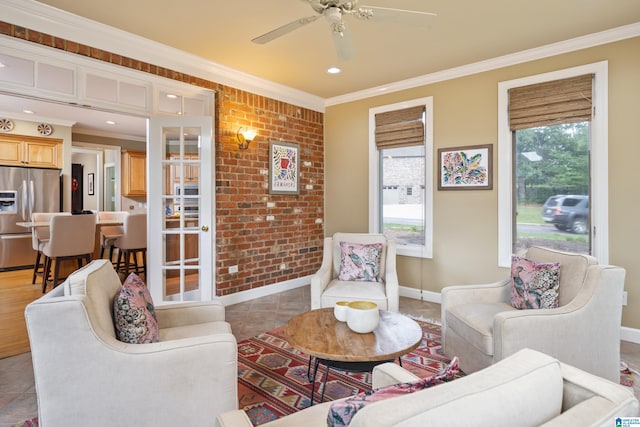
(245, 136)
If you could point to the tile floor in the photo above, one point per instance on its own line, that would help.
(17, 390)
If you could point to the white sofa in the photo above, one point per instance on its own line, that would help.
(326, 289)
(84, 376)
(528, 388)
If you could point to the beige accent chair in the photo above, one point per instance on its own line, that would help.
(39, 236)
(480, 326)
(84, 376)
(326, 289)
(110, 233)
(527, 389)
(132, 242)
(71, 237)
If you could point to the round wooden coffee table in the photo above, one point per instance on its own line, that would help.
(319, 334)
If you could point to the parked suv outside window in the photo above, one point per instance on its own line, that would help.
(567, 212)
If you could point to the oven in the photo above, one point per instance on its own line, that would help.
(187, 202)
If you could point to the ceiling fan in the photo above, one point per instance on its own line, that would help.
(335, 10)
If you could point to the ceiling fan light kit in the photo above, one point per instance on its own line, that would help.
(334, 12)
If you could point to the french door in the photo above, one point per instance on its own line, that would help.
(181, 201)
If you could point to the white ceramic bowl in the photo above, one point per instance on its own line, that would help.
(340, 310)
(363, 316)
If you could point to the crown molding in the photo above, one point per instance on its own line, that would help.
(78, 130)
(584, 42)
(49, 20)
(44, 18)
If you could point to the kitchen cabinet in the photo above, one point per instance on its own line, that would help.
(31, 151)
(192, 172)
(134, 173)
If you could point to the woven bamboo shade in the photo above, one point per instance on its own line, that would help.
(551, 103)
(400, 128)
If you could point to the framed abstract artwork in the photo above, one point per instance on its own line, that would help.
(284, 168)
(465, 168)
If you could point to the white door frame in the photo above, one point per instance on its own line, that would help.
(156, 162)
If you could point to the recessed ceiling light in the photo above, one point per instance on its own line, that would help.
(2, 65)
(110, 122)
(28, 112)
(333, 70)
(172, 96)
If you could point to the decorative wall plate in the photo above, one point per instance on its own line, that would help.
(6, 125)
(45, 129)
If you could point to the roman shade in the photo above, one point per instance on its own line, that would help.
(551, 103)
(400, 128)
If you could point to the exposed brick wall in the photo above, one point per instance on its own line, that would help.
(266, 251)
(288, 246)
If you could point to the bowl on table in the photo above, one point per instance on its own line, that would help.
(340, 310)
(363, 316)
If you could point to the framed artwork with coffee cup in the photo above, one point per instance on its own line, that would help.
(284, 168)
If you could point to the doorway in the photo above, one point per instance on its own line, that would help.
(110, 188)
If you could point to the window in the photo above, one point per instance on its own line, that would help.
(552, 160)
(401, 175)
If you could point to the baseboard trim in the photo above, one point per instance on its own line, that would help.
(420, 294)
(630, 334)
(251, 294)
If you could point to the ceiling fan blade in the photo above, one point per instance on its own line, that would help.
(399, 16)
(285, 29)
(343, 43)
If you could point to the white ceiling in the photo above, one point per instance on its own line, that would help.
(83, 120)
(464, 32)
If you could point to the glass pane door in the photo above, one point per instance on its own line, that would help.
(181, 201)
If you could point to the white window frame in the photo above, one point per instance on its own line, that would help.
(599, 160)
(375, 203)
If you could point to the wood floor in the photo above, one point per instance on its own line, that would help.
(16, 291)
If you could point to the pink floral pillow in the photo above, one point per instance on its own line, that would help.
(360, 262)
(342, 412)
(534, 285)
(134, 314)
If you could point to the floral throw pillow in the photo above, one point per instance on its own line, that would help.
(134, 314)
(342, 412)
(360, 262)
(534, 285)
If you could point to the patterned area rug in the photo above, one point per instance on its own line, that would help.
(272, 375)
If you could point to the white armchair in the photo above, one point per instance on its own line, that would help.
(85, 376)
(480, 326)
(326, 289)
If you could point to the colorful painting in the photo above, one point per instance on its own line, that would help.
(284, 168)
(465, 168)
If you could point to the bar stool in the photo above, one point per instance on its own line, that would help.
(40, 235)
(110, 233)
(132, 242)
(70, 237)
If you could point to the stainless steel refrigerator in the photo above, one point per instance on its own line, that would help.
(22, 191)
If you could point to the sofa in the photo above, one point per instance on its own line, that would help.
(528, 388)
(481, 326)
(84, 376)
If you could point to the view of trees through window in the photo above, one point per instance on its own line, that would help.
(551, 181)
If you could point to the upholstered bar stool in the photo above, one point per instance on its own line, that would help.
(110, 233)
(132, 242)
(70, 237)
(39, 236)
